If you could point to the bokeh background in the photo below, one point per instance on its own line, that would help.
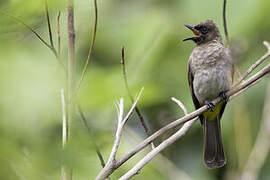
(152, 33)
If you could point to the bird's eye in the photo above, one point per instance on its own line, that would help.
(204, 30)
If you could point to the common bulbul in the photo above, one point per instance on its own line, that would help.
(210, 74)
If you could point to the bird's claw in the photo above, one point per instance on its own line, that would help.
(210, 106)
(224, 96)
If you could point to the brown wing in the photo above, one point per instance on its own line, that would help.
(234, 67)
(190, 82)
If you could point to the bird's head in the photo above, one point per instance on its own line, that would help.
(204, 32)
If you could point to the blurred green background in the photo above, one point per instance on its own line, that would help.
(151, 31)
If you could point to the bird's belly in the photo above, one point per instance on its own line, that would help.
(209, 83)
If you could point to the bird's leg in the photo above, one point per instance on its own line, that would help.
(224, 96)
(210, 105)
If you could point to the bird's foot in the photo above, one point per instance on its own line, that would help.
(224, 96)
(210, 106)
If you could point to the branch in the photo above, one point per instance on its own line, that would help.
(70, 76)
(55, 52)
(256, 64)
(65, 175)
(261, 147)
(49, 25)
(71, 61)
(28, 27)
(181, 132)
(64, 119)
(91, 136)
(120, 125)
(91, 46)
(59, 36)
(139, 114)
(180, 104)
(225, 23)
(42, 40)
(162, 163)
(235, 89)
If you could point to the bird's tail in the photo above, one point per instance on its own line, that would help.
(214, 156)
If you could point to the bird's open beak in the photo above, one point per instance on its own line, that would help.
(195, 32)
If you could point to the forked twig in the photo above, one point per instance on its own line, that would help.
(120, 125)
(28, 27)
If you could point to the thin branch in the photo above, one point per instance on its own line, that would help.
(180, 104)
(120, 124)
(59, 36)
(28, 27)
(91, 46)
(49, 24)
(91, 136)
(225, 23)
(139, 114)
(64, 119)
(105, 172)
(256, 64)
(135, 170)
(261, 147)
(56, 53)
(71, 62)
(162, 163)
(65, 175)
(42, 40)
(67, 172)
(181, 132)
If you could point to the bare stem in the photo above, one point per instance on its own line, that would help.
(71, 62)
(120, 125)
(256, 64)
(64, 119)
(139, 114)
(225, 23)
(91, 46)
(29, 28)
(91, 136)
(49, 24)
(59, 36)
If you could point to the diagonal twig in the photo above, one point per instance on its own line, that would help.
(181, 132)
(255, 65)
(143, 123)
(28, 27)
(101, 159)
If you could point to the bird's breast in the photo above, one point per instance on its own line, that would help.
(209, 82)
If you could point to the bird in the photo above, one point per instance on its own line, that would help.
(210, 75)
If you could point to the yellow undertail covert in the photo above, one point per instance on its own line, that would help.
(211, 116)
